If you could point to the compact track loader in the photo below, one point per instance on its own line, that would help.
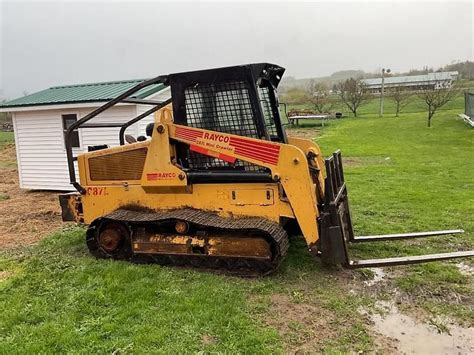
(216, 183)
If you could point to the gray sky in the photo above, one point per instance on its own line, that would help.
(47, 44)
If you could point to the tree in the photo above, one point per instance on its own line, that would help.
(294, 96)
(402, 98)
(436, 96)
(353, 92)
(318, 95)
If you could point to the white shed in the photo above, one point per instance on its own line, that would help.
(40, 120)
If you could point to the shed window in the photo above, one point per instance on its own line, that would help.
(68, 120)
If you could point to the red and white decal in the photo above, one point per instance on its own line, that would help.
(264, 152)
(160, 176)
(202, 150)
(260, 151)
(187, 134)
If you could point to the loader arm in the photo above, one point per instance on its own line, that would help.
(287, 163)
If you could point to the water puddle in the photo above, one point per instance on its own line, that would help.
(379, 275)
(414, 337)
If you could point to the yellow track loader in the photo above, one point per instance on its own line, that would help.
(217, 183)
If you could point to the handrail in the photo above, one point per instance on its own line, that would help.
(138, 118)
(68, 141)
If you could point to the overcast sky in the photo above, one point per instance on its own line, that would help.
(47, 44)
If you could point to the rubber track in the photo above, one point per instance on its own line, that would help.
(204, 219)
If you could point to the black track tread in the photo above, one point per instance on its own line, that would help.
(205, 219)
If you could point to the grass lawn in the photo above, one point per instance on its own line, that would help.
(401, 175)
(5, 138)
(6, 141)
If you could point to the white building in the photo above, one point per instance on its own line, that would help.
(40, 120)
(437, 80)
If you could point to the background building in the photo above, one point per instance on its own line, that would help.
(414, 82)
(40, 121)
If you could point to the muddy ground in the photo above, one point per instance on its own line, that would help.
(394, 322)
(25, 216)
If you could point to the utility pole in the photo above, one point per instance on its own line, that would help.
(382, 90)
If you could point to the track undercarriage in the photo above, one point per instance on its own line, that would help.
(192, 238)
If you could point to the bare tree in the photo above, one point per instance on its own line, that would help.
(318, 95)
(436, 96)
(353, 92)
(402, 98)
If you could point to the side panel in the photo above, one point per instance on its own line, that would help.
(101, 200)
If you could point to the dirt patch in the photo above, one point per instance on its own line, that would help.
(25, 216)
(309, 328)
(5, 275)
(208, 340)
(303, 326)
(307, 133)
(364, 161)
(8, 156)
(465, 269)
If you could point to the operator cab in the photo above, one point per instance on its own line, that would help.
(239, 100)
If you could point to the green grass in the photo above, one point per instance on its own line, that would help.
(3, 196)
(5, 138)
(57, 298)
(60, 299)
(401, 176)
(405, 177)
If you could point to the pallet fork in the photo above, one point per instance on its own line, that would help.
(337, 231)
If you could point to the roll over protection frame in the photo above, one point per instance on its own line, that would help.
(123, 98)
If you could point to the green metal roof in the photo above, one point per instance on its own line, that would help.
(95, 92)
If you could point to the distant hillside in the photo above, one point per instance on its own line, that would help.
(465, 69)
(292, 82)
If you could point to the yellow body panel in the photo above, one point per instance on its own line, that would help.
(164, 185)
(103, 199)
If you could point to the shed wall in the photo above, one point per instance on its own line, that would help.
(41, 153)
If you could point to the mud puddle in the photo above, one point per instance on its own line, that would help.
(414, 337)
(378, 276)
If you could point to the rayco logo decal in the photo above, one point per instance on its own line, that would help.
(216, 137)
(160, 176)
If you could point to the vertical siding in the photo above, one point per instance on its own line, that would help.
(17, 151)
(41, 153)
